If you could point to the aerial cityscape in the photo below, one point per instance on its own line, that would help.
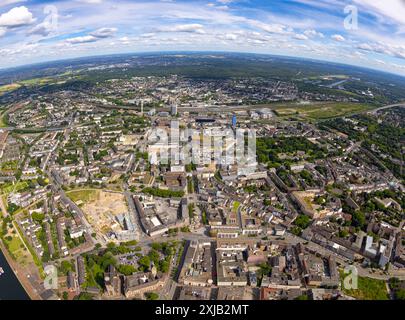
(178, 169)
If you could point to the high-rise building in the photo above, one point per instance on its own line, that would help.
(173, 110)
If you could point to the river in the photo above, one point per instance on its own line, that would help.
(10, 287)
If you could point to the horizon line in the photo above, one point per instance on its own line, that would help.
(22, 66)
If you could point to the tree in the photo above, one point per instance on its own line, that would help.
(164, 266)
(265, 269)
(144, 263)
(267, 202)
(111, 245)
(151, 296)
(154, 256)
(65, 267)
(163, 193)
(126, 270)
(38, 217)
(343, 233)
(12, 208)
(296, 231)
(84, 296)
(358, 219)
(157, 246)
(400, 294)
(302, 221)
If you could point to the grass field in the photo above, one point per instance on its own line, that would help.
(7, 188)
(9, 165)
(3, 123)
(319, 111)
(84, 196)
(30, 82)
(236, 206)
(9, 87)
(36, 81)
(368, 289)
(17, 248)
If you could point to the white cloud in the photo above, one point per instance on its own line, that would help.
(195, 27)
(271, 28)
(394, 10)
(104, 32)
(311, 33)
(84, 39)
(338, 37)
(231, 36)
(7, 2)
(397, 51)
(91, 1)
(94, 36)
(148, 35)
(125, 40)
(300, 37)
(43, 29)
(16, 17)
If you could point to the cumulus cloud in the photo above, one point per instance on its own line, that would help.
(148, 35)
(313, 34)
(83, 39)
(124, 40)
(43, 29)
(300, 37)
(338, 37)
(16, 17)
(104, 32)
(231, 36)
(271, 28)
(194, 27)
(91, 1)
(94, 36)
(397, 51)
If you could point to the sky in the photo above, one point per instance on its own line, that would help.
(368, 33)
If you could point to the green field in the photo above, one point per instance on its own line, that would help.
(8, 187)
(319, 111)
(9, 165)
(87, 195)
(9, 87)
(3, 123)
(17, 249)
(368, 289)
(30, 82)
(236, 206)
(37, 81)
(15, 244)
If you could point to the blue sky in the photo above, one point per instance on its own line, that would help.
(37, 30)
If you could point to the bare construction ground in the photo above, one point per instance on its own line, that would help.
(101, 211)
